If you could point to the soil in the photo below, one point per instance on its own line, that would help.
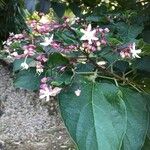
(26, 122)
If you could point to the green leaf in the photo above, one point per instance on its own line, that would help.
(84, 67)
(146, 35)
(127, 32)
(17, 63)
(100, 10)
(114, 41)
(142, 64)
(57, 59)
(97, 118)
(30, 5)
(147, 96)
(121, 66)
(93, 18)
(146, 145)
(107, 54)
(27, 79)
(145, 47)
(67, 37)
(75, 9)
(63, 78)
(89, 3)
(59, 8)
(137, 119)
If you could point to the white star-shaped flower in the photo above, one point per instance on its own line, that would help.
(89, 35)
(47, 41)
(134, 51)
(48, 91)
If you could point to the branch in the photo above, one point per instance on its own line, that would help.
(111, 74)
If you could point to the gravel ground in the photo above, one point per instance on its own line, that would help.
(27, 123)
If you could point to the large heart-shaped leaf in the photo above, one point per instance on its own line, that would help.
(96, 118)
(137, 119)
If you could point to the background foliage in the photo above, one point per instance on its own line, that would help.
(13, 21)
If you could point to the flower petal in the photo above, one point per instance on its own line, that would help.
(89, 28)
(77, 92)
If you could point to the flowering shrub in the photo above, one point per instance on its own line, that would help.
(95, 73)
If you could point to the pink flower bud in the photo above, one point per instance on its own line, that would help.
(84, 45)
(93, 48)
(98, 43)
(103, 41)
(44, 80)
(29, 49)
(55, 45)
(41, 58)
(18, 36)
(125, 53)
(43, 86)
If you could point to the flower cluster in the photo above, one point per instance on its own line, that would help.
(44, 25)
(14, 38)
(47, 91)
(93, 39)
(130, 51)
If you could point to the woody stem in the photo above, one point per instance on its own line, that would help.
(111, 74)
